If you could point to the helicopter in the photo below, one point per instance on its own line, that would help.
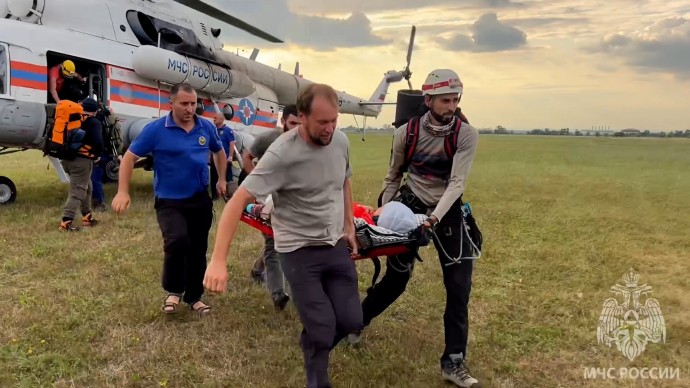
(130, 53)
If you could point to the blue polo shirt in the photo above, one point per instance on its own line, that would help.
(227, 136)
(180, 167)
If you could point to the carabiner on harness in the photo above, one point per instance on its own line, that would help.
(464, 233)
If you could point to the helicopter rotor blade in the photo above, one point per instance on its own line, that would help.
(406, 71)
(215, 13)
(409, 48)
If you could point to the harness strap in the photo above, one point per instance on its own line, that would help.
(411, 140)
(377, 272)
(451, 141)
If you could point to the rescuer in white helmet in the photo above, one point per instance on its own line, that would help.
(437, 156)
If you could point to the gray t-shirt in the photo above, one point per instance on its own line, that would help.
(306, 182)
(262, 142)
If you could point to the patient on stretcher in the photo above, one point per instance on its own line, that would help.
(393, 216)
(389, 230)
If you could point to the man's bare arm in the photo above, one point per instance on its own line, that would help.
(121, 201)
(221, 163)
(349, 221)
(231, 148)
(53, 89)
(125, 173)
(216, 276)
(227, 225)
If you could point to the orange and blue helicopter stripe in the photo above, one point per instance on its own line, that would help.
(130, 93)
(28, 75)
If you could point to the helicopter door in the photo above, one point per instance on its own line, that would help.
(4, 70)
(93, 73)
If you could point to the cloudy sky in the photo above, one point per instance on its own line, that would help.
(525, 64)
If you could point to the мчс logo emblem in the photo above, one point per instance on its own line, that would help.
(631, 325)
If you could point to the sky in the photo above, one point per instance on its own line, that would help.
(524, 64)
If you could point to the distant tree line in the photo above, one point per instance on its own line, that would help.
(636, 133)
(501, 130)
(568, 132)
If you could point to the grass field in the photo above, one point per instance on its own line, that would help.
(563, 219)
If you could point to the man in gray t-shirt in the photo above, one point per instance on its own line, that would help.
(307, 171)
(267, 266)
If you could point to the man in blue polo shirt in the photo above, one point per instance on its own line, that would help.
(227, 140)
(179, 143)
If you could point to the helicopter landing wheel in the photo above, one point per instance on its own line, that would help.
(8, 191)
(112, 170)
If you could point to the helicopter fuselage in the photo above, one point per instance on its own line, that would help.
(130, 53)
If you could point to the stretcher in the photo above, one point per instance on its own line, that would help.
(374, 241)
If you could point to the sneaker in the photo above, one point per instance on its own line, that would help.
(355, 337)
(88, 221)
(66, 226)
(458, 374)
(280, 300)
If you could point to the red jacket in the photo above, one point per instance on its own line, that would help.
(361, 212)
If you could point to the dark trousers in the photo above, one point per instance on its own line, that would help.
(214, 178)
(98, 194)
(457, 279)
(185, 224)
(274, 273)
(323, 281)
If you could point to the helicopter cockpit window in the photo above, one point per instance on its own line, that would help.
(4, 71)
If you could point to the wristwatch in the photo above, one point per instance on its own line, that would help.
(431, 220)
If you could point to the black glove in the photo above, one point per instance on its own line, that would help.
(422, 235)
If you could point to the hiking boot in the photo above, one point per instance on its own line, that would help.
(66, 226)
(280, 300)
(88, 221)
(457, 373)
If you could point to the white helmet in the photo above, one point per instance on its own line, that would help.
(442, 81)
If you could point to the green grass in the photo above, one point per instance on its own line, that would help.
(563, 219)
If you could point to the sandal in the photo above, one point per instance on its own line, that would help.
(171, 307)
(202, 311)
